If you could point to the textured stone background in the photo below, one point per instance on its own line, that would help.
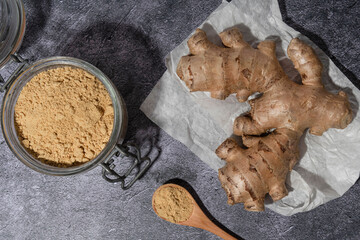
(128, 41)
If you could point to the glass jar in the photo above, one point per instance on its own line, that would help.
(12, 28)
(12, 13)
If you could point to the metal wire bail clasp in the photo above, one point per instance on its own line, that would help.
(143, 163)
(23, 64)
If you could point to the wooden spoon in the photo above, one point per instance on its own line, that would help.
(198, 218)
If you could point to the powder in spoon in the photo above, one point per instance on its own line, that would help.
(64, 116)
(173, 204)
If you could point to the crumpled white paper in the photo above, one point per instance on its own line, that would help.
(329, 164)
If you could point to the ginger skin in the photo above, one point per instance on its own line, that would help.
(262, 167)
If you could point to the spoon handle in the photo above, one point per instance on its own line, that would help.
(212, 227)
(200, 220)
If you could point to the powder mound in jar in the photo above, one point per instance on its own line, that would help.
(173, 204)
(64, 116)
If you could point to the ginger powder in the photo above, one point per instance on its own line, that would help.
(64, 116)
(173, 204)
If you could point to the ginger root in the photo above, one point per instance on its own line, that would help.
(262, 166)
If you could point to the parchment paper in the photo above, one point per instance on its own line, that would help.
(329, 164)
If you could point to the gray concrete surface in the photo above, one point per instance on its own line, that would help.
(128, 41)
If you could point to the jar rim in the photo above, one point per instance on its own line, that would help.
(9, 102)
(13, 30)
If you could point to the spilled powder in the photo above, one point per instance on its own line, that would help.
(173, 204)
(64, 116)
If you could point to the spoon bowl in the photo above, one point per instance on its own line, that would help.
(197, 218)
